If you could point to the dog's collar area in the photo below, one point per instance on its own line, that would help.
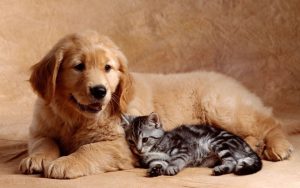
(92, 108)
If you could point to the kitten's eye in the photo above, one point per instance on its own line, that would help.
(79, 67)
(144, 140)
(107, 68)
(130, 142)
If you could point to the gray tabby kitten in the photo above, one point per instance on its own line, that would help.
(168, 152)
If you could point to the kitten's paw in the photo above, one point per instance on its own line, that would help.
(278, 150)
(172, 170)
(245, 162)
(32, 164)
(157, 170)
(247, 166)
(220, 170)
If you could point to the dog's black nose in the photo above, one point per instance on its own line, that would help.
(98, 91)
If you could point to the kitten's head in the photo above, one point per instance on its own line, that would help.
(142, 132)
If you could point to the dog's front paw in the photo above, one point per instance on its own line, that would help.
(65, 168)
(172, 170)
(32, 164)
(278, 150)
(157, 170)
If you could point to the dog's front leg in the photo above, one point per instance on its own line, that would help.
(41, 150)
(92, 158)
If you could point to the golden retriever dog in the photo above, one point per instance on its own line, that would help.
(84, 86)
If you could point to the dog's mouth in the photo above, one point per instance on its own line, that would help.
(92, 108)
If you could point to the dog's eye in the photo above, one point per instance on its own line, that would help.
(79, 67)
(107, 68)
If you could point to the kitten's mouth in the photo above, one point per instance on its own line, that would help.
(92, 108)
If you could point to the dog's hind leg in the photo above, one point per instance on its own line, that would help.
(243, 114)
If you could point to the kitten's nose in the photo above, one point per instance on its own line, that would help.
(140, 151)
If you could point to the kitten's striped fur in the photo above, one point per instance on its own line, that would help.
(168, 152)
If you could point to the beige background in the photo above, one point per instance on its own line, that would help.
(254, 41)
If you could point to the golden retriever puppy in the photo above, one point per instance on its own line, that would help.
(83, 86)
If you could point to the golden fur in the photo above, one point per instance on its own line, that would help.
(94, 142)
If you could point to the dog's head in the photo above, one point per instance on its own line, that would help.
(85, 72)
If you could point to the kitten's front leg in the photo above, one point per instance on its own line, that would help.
(178, 162)
(153, 156)
(157, 163)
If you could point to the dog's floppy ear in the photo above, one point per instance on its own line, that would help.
(125, 86)
(44, 73)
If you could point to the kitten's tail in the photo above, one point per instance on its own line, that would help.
(248, 165)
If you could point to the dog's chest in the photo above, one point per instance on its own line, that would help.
(71, 137)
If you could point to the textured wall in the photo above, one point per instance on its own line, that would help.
(257, 42)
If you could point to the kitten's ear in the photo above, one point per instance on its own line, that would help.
(126, 120)
(154, 118)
